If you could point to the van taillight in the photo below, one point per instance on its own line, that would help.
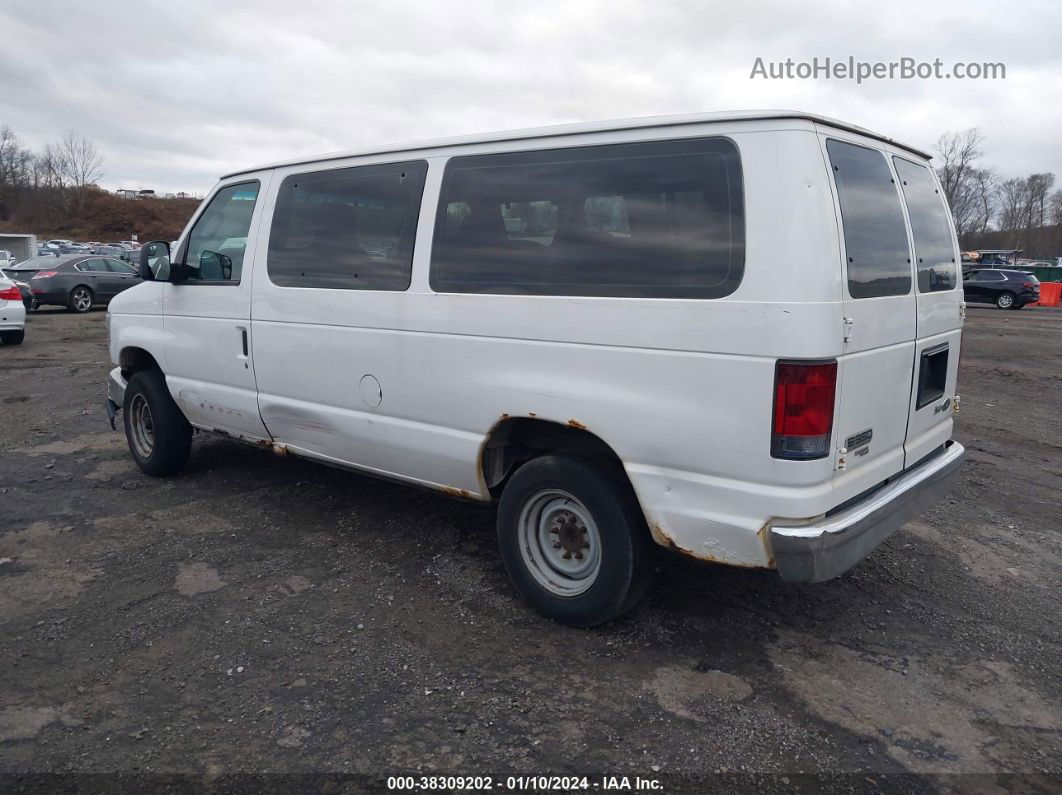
(803, 409)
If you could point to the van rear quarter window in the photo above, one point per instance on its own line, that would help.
(661, 219)
(930, 227)
(347, 229)
(875, 237)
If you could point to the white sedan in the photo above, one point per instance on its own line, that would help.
(12, 313)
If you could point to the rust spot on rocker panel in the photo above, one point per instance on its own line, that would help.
(576, 424)
(454, 492)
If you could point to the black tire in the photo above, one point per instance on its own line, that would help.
(625, 544)
(12, 337)
(1018, 306)
(1005, 300)
(73, 302)
(171, 435)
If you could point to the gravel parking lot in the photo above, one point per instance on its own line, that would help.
(269, 615)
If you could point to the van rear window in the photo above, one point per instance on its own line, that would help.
(930, 226)
(661, 219)
(875, 237)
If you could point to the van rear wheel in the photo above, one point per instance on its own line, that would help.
(574, 539)
(158, 434)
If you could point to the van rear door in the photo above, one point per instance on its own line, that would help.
(939, 301)
(875, 371)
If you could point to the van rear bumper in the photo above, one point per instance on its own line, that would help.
(826, 549)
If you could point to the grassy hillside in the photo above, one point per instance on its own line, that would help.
(105, 217)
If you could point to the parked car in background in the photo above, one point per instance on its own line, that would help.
(23, 288)
(77, 282)
(114, 250)
(1007, 289)
(12, 313)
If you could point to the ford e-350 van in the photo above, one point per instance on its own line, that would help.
(734, 335)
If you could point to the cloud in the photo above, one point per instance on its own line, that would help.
(176, 94)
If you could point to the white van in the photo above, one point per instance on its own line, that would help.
(735, 335)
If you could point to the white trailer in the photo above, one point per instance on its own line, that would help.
(22, 247)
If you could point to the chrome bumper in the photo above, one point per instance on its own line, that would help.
(826, 549)
(116, 384)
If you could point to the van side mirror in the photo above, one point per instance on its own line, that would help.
(154, 261)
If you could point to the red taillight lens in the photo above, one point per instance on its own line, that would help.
(1027, 284)
(10, 294)
(803, 409)
(44, 274)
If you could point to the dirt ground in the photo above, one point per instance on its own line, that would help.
(259, 620)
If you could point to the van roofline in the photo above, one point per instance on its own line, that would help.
(581, 128)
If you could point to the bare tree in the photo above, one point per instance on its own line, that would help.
(958, 153)
(984, 181)
(1039, 189)
(1054, 208)
(80, 163)
(1015, 209)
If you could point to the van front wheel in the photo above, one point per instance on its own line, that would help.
(574, 540)
(159, 436)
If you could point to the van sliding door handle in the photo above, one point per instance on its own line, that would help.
(243, 340)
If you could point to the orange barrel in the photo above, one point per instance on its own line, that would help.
(1050, 293)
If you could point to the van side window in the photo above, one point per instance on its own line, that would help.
(662, 219)
(930, 226)
(216, 245)
(348, 228)
(875, 237)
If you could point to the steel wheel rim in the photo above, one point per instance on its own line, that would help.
(560, 543)
(82, 300)
(1005, 301)
(141, 426)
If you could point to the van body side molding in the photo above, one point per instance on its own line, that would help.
(822, 551)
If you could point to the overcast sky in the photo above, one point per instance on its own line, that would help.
(177, 93)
